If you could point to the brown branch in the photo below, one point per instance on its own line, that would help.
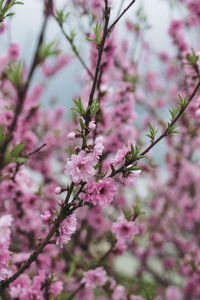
(164, 134)
(179, 115)
(21, 94)
(6, 295)
(120, 16)
(98, 66)
(75, 292)
(101, 48)
(65, 210)
(63, 214)
(36, 150)
(18, 165)
(74, 49)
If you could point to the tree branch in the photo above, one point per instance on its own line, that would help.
(74, 49)
(164, 134)
(120, 16)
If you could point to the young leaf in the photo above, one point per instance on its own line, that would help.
(152, 132)
(15, 73)
(183, 102)
(173, 112)
(94, 108)
(172, 128)
(47, 50)
(127, 214)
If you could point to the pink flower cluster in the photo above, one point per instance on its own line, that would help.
(66, 229)
(5, 232)
(101, 192)
(80, 167)
(94, 278)
(24, 288)
(124, 230)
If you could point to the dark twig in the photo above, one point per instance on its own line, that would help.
(21, 93)
(74, 49)
(36, 150)
(63, 214)
(120, 16)
(164, 134)
(18, 165)
(75, 292)
(65, 211)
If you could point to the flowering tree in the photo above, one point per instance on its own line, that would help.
(70, 202)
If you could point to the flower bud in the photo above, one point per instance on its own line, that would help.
(58, 190)
(92, 125)
(71, 136)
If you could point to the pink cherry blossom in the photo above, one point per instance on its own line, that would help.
(130, 178)
(66, 229)
(95, 277)
(14, 51)
(123, 229)
(80, 167)
(101, 192)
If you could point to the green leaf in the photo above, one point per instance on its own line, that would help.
(91, 40)
(61, 16)
(153, 131)
(94, 108)
(88, 204)
(135, 152)
(192, 58)
(79, 107)
(72, 36)
(10, 14)
(172, 128)
(21, 160)
(15, 73)
(14, 154)
(134, 168)
(127, 214)
(47, 50)
(77, 130)
(173, 112)
(183, 102)
(138, 210)
(18, 149)
(97, 32)
(81, 124)
(2, 136)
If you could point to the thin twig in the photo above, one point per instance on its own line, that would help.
(98, 66)
(65, 208)
(120, 16)
(75, 292)
(36, 150)
(63, 214)
(22, 94)
(120, 8)
(164, 134)
(74, 49)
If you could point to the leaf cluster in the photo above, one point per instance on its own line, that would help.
(61, 16)
(152, 132)
(135, 153)
(97, 34)
(15, 73)
(5, 8)
(93, 108)
(183, 102)
(15, 155)
(47, 50)
(192, 59)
